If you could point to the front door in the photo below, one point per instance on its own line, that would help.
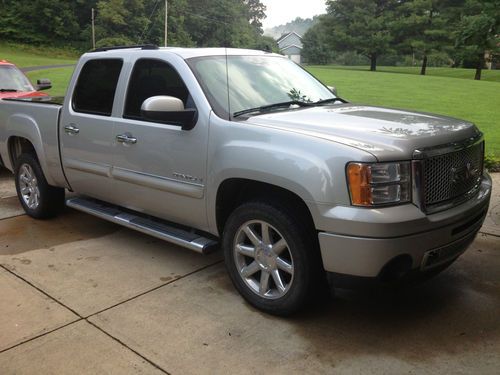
(86, 130)
(159, 168)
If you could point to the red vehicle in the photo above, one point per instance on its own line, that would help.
(14, 84)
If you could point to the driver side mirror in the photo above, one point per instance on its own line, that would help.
(333, 89)
(169, 110)
(43, 84)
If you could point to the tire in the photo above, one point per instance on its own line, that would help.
(38, 198)
(290, 269)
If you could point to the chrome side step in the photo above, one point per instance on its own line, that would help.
(144, 224)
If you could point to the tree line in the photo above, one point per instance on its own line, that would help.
(214, 23)
(464, 32)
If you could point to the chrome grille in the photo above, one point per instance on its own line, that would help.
(449, 176)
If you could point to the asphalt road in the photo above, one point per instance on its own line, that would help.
(44, 67)
(80, 295)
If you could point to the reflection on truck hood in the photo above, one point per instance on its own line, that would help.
(386, 133)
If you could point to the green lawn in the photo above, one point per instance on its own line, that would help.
(24, 56)
(59, 77)
(487, 75)
(476, 101)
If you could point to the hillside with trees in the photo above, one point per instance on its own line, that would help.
(299, 25)
(437, 32)
(231, 23)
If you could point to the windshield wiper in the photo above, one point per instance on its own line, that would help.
(266, 108)
(8, 90)
(331, 100)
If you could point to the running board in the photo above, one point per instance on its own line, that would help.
(144, 224)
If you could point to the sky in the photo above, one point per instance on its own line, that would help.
(282, 11)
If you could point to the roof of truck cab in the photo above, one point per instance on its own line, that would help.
(185, 53)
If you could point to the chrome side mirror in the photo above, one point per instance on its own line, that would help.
(169, 110)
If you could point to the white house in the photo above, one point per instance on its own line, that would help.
(290, 45)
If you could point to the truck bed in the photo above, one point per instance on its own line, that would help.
(53, 100)
(37, 120)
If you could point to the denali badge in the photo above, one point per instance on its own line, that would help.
(187, 177)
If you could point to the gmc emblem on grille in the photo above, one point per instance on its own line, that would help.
(463, 174)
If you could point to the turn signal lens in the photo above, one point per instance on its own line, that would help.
(379, 184)
(359, 177)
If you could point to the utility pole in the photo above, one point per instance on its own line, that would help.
(93, 28)
(166, 21)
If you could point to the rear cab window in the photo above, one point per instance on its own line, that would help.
(96, 86)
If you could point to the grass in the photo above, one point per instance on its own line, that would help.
(487, 75)
(59, 77)
(24, 56)
(476, 101)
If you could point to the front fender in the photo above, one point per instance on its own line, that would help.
(311, 168)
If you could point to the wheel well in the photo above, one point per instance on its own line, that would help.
(18, 146)
(236, 191)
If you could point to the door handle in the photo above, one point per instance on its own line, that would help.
(71, 129)
(126, 138)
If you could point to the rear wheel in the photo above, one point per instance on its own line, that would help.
(270, 257)
(38, 198)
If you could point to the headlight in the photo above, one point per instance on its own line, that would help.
(379, 183)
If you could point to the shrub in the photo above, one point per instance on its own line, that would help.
(492, 163)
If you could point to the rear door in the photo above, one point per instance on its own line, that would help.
(162, 170)
(86, 129)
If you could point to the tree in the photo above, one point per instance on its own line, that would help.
(38, 22)
(423, 27)
(256, 12)
(177, 34)
(361, 26)
(227, 23)
(120, 21)
(477, 31)
(316, 48)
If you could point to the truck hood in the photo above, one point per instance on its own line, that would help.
(388, 134)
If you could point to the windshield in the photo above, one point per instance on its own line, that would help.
(254, 81)
(11, 78)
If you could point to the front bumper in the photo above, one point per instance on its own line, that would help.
(426, 241)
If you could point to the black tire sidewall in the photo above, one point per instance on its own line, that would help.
(299, 246)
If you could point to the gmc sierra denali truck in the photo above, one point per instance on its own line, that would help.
(246, 150)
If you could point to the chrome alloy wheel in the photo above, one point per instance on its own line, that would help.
(28, 185)
(263, 259)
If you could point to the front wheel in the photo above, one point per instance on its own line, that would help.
(38, 198)
(270, 257)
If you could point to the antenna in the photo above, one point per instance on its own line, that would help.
(227, 83)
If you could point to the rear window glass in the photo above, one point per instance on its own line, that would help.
(96, 86)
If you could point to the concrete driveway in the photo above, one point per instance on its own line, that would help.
(80, 295)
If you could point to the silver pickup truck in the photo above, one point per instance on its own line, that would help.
(247, 151)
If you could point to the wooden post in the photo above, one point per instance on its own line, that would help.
(166, 21)
(93, 28)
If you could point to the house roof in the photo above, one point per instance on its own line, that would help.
(290, 46)
(284, 36)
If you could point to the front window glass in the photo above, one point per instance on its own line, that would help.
(254, 81)
(152, 78)
(12, 79)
